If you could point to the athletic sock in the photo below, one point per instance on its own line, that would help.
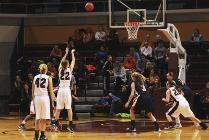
(70, 122)
(132, 123)
(36, 134)
(42, 133)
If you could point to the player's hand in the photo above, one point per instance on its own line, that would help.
(126, 105)
(73, 50)
(76, 99)
(66, 50)
(163, 99)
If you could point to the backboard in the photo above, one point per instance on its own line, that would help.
(150, 13)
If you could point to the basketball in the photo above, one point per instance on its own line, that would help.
(89, 6)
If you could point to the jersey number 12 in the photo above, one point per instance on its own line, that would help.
(40, 83)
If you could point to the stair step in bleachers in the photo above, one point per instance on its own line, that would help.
(14, 109)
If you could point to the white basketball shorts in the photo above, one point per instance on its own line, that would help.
(64, 98)
(42, 107)
(180, 108)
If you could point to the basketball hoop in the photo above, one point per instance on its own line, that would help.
(132, 29)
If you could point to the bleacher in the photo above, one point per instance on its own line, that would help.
(92, 88)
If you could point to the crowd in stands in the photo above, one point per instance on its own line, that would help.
(149, 58)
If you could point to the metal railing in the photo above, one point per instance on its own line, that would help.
(100, 6)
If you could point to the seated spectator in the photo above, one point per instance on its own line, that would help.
(146, 50)
(52, 69)
(88, 36)
(107, 72)
(112, 38)
(154, 79)
(201, 102)
(119, 99)
(158, 40)
(160, 56)
(56, 52)
(71, 43)
(100, 55)
(120, 75)
(102, 105)
(129, 62)
(148, 69)
(196, 41)
(147, 40)
(134, 54)
(100, 35)
(141, 64)
(196, 37)
(17, 90)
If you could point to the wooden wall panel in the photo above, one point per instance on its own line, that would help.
(57, 34)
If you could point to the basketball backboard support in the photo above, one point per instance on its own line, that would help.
(150, 13)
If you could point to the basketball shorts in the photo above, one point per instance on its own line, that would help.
(42, 107)
(32, 108)
(64, 98)
(180, 108)
(143, 102)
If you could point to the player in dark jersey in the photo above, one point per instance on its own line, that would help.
(140, 100)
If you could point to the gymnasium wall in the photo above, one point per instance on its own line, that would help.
(57, 34)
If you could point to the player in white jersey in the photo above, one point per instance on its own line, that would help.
(42, 83)
(64, 97)
(180, 106)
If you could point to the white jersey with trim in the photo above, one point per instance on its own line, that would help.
(176, 95)
(65, 77)
(41, 82)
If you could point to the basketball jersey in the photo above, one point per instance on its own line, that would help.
(41, 82)
(176, 95)
(65, 77)
(139, 88)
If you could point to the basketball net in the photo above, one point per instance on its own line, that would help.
(132, 29)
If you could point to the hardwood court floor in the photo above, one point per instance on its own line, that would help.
(104, 129)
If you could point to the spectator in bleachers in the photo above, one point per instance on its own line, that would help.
(118, 101)
(146, 50)
(147, 40)
(120, 76)
(148, 69)
(100, 55)
(196, 38)
(112, 38)
(159, 56)
(196, 41)
(17, 90)
(134, 54)
(153, 81)
(129, 62)
(71, 43)
(158, 39)
(27, 94)
(88, 36)
(107, 72)
(100, 36)
(56, 52)
(141, 65)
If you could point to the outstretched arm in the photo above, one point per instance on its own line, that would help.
(64, 57)
(73, 60)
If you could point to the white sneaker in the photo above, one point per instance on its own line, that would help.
(178, 125)
(131, 129)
